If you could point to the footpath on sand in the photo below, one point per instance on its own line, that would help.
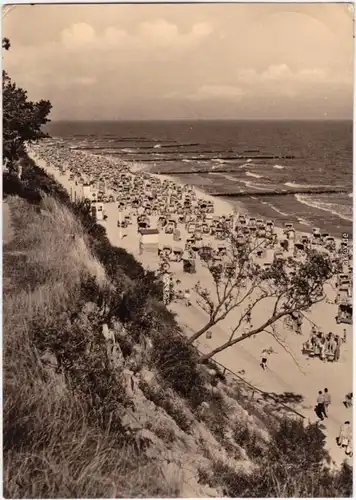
(283, 376)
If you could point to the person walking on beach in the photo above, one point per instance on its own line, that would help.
(348, 400)
(263, 363)
(344, 338)
(320, 408)
(327, 401)
(248, 317)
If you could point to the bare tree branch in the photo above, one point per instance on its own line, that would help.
(274, 334)
(294, 284)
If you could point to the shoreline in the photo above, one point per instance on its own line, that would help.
(231, 206)
(301, 228)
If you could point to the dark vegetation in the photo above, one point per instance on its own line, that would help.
(293, 466)
(22, 119)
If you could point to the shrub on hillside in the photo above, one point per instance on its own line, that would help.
(33, 184)
(117, 261)
(299, 445)
(134, 303)
(249, 441)
(169, 403)
(293, 466)
(177, 362)
(82, 210)
(36, 179)
(162, 317)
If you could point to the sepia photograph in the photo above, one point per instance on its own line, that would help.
(177, 250)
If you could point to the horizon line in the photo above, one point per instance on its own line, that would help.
(136, 120)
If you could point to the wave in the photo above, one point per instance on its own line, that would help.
(279, 167)
(229, 177)
(247, 165)
(275, 209)
(156, 146)
(307, 186)
(251, 174)
(128, 150)
(341, 211)
(305, 222)
(250, 184)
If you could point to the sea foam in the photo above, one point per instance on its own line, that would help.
(251, 174)
(341, 211)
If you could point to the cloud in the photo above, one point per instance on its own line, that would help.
(281, 73)
(78, 35)
(164, 61)
(206, 92)
(81, 55)
(280, 79)
(277, 72)
(275, 81)
(153, 34)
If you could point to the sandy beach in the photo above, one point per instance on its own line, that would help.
(289, 372)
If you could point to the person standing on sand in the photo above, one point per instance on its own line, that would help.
(337, 348)
(327, 401)
(187, 298)
(344, 434)
(171, 289)
(298, 324)
(322, 349)
(320, 408)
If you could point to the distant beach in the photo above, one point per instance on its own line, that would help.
(297, 156)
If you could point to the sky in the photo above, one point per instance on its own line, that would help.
(206, 61)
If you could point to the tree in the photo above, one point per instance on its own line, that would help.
(285, 288)
(22, 118)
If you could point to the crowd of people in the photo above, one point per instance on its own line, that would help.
(325, 346)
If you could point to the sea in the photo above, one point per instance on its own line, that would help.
(288, 171)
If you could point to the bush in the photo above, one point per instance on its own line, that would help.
(169, 403)
(294, 466)
(177, 362)
(303, 447)
(248, 440)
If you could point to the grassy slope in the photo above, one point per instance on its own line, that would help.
(51, 449)
(74, 426)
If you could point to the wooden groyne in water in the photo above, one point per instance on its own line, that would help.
(227, 170)
(278, 192)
